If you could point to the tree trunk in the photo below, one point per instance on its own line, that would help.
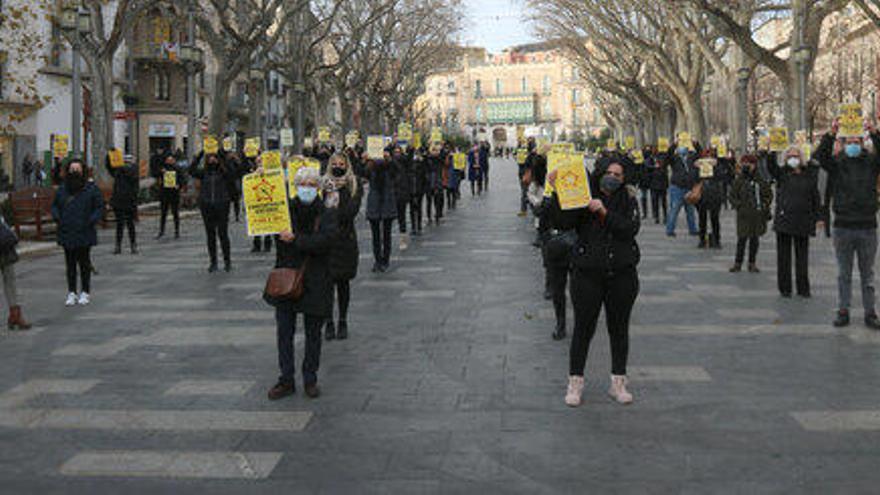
(219, 102)
(694, 117)
(101, 119)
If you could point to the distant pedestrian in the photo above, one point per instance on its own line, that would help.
(751, 196)
(684, 178)
(475, 171)
(381, 209)
(659, 185)
(124, 202)
(402, 173)
(77, 208)
(27, 169)
(215, 174)
(170, 178)
(8, 258)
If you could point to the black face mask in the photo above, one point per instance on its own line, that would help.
(75, 182)
(338, 172)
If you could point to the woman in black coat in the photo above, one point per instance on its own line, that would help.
(216, 175)
(709, 206)
(798, 209)
(659, 184)
(561, 233)
(418, 185)
(402, 191)
(381, 209)
(346, 198)
(77, 208)
(314, 231)
(604, 260)
(124, 202)
(170, 177)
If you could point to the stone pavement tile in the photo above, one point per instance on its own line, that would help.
(210, 387)
(166, 464)
(831, 421)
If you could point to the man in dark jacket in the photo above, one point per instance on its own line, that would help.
(124, 202)
(659, 184)
(853, 172)
(170, 178)
(485, 149)
(684, 177)
(215, 174)
(402, 165)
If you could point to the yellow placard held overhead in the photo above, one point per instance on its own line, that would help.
(252, 147)
(638, 157)
(114, 155)
(763, 142)
(376, 147)
(436, 135)
(572, 186)
(271, 160)
(629, 142)
(684, 139)
(229, 143)
(851, 121)
(706, 167)
(662, 145)
(60, 146)
(722, 149)
(715, 141)
(210, 145)
(286, 136)
(460, 161)
(169, 179)
(404, 133)
(521, 155)
(352, 138)
(417, 140)
(802, 142)
(265, 201)
(563, 147)
(611, 145)
(778, 139)
(324, 134)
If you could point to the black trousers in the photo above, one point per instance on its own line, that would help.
(590, 291)
(477, 187)
(343, 297)
(484, 178)
(523, 197)
(712, 214)
(753, 243)
(172, 202)
(658, 202)
(285, 319)
(434, 201)
(557, 281)
(124, 218)
(381, 240)
(216, 219)
(643, 195)
(784, 244)
(415, 212)
(236, 206)
(451, 199)
(401, 214)
(78, 258)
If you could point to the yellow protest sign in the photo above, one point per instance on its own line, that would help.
(60, 146)
(763, 142)
(572, 186)
(229, 143)
(308, 142)
(169, 179)
(521, 155)
(271, 160)
(460, 161)
(323, 134)
(286, 136)
(706, 167)
(265, 201)
(778, 139)
(252, 147)
(436, 135)
(376, 147)
(638, 157)
(662, 145)
(715, 141)
(210, 145)
(351, 139)
(294, 165)
(684, 139)
(851, 121)
(611, 145)
(629, 142)
(115, 157)
(417, 140)
(404, 133)
(802, 142)
(563, 147)
(722, 149)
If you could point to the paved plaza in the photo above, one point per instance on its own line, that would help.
(449, 383)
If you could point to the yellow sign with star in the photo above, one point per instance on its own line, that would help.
(265, 201)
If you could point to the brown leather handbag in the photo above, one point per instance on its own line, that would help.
(527, 177)
(695, 194)
(285, 284)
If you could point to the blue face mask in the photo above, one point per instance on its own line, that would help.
(683, 152)
(853, 150)
(307, 194)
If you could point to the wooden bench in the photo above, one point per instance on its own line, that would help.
(32, 206)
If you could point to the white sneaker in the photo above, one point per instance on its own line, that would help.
(71, 299)
(618, 391)
(404, 242)
(575, 390)
(83, 299)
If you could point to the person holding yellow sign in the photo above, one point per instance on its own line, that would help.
(215, 175)
(124, 201)
(853, 171)
(307, 247)
(682, 180)
(170, 177)
(604, 258)
(381, 208)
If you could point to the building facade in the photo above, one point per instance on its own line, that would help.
(532, 88)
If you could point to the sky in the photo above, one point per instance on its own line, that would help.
(496, 24)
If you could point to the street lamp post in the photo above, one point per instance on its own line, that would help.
(193, 61)
(76, 22)
(743, 74)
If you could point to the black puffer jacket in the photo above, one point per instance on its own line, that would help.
(684, 174)
(418, 177)
(314, 244)
(215, 180)
(854, 195)
(125, 187)
(660, 174)
(798, 206)
(608, 245)
(402, 177)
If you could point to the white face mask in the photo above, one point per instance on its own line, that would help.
(793, 162)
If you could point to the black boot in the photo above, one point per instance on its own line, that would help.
(330, 330)
(342, 332)
(559, 334)
(118, 249)
(134, 248)
(703, 243)
(213, 268)
(736, 268)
